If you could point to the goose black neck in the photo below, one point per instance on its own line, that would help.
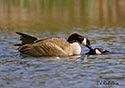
(75, 38)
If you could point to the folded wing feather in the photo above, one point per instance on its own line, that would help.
(47, 47)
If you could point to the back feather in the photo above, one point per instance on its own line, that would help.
(26, 39)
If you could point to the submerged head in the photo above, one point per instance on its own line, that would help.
(97, 51)
(78, 38)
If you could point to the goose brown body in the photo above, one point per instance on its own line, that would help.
(55, 46)
(48, 47)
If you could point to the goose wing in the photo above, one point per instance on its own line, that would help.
(26, 39)
(47, 47)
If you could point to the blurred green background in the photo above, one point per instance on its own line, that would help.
(37, 15)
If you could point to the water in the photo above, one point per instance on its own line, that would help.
(61, 72)
(64, 72)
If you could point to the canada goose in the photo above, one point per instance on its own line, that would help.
(55, 46)
(97, 51)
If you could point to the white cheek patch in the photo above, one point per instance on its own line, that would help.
(84, 42)
(97, 51)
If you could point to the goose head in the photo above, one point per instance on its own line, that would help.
(97, 51)
(78, 38)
